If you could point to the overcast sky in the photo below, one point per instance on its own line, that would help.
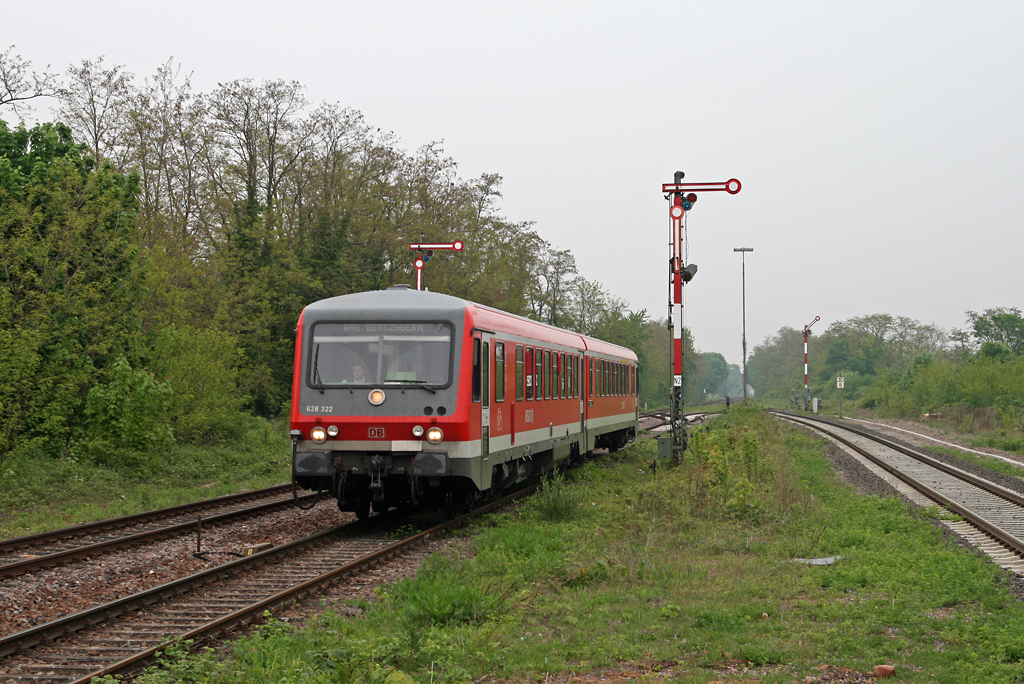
(880, 144)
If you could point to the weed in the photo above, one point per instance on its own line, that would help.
(557, 500)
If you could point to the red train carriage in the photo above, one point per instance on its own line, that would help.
(401, 396)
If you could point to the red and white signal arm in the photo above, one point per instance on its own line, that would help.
(840, 381)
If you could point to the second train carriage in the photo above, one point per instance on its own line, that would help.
(402, 396)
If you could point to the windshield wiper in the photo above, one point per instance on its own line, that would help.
(418, 383)
(316, 371)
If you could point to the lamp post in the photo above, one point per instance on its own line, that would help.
(743, 255)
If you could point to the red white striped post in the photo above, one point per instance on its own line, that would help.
(807, 390)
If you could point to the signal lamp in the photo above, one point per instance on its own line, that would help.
(435, 435)
(332, 430)
(318, 435)
(689, 200)
(689, 272)
(417, 431)
(376, 397)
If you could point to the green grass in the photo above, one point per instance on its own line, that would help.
(998, 465)
(687, 568)
(40, 493)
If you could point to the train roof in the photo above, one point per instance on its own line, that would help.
(377, 305)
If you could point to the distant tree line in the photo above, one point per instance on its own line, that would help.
(901, 366)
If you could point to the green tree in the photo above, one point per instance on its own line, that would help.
(1003, 325)
(70, 283)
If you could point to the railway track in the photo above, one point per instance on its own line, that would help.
(664, 416)
(124, 635)
(992, 515)
(47, 549)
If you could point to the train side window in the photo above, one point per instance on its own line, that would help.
(554, 375)
(604, 378)
(476, 369)
(562, 374)
(575, 376)
(590, 375)
(547, 374)
(538, 376)
(529, 373)
(486, 375)
(499, 371)
(519, 372)
(618, 379)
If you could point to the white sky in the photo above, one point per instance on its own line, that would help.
(880, 144)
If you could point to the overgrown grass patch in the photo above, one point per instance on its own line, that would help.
(40, 492)
(690, 567)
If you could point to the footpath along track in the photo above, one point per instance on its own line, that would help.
(47, 549)
(993, 515)
(124, 635)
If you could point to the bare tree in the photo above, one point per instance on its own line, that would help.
(19, 84)
(95, 104)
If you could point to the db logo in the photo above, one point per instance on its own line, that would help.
(376, 432)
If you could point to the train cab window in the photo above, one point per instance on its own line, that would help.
(402, 353)
(562, 374)
(499, 371)
(486, 375)
(476, 369)
(520, 375)
(548, 380)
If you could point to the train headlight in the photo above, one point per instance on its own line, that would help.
(332, 430)
(318, 435)
(376, 397)
(435, 435)
(417, 431)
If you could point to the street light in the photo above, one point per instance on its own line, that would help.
(743, 253)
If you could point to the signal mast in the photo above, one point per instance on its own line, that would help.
(682, 197)
(426, 250)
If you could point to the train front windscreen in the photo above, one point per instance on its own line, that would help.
(375, 353)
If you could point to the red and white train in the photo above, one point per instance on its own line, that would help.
(402, 396)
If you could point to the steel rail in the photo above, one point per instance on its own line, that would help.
(83, 529)
(990, 528)
(66, 626)
(987, 485)
(88, 550)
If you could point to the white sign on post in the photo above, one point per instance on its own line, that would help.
(840, 381)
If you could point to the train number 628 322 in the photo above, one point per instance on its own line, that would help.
(319, 409)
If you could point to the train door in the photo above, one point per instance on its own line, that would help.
(577, 381)
(482, 388)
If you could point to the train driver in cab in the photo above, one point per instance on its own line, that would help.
(358, 375)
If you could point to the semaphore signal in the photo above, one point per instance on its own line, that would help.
(426, 250)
